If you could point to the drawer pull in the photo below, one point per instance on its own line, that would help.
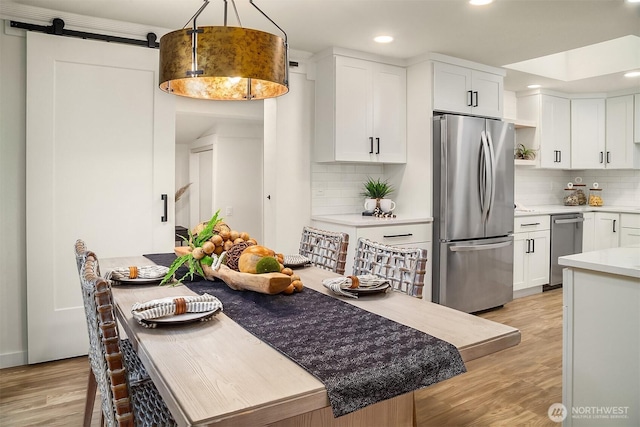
(530, 225)
(397, 235)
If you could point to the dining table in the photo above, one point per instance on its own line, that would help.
(218, 373)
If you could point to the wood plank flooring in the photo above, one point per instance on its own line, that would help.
(509, 388)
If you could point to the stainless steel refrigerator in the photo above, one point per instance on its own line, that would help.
(473, 212)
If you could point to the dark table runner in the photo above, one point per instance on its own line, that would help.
(361, 358)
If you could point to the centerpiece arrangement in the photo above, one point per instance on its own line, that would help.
(375, 192)
(216, 251)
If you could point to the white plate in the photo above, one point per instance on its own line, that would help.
(371, 290)
(137, 281)
(183, 318)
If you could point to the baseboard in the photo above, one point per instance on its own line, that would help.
(9, 360)
(526, 292)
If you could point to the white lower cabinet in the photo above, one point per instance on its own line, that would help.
(588, 235)
(532, 239)
(414, 235)
(606, 230)
(629, 229)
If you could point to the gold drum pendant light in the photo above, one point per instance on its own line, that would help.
(224, 63)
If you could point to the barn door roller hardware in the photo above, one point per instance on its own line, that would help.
(57, 28)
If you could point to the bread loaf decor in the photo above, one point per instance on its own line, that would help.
(216, 251)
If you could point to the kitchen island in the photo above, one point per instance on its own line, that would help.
(601, 337)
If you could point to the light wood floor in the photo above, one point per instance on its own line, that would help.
(510, 388)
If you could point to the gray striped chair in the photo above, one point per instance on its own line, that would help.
(325, 249)
(403, 267)
(128, 395)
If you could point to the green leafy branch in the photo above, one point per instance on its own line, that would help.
(193, 264)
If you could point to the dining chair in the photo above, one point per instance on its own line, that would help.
(325, 249)
(127, 400)
(403, 267)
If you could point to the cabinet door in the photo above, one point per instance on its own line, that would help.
(487, 92)
(520, 243)
(353, 110)
(390, 113)
(555, 131)
(587, 134)
(588, 232)
(607, 230)
(538, 258)
(619, 152)
(451, 88)
(629, 236)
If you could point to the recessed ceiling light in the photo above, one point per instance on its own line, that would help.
(633, 1)
(383, 39)
(534, 86)
(481, 2)
(633, 73)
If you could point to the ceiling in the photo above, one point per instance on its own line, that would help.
(501, 33)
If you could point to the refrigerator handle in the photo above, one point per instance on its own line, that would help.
(484, 177)
(492, 157)
(471, 248)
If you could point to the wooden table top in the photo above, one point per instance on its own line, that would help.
(217, 372)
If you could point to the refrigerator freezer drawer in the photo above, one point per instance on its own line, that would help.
(476, 274)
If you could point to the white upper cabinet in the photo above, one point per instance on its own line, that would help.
(360, 111)
(621, 152)
(588, 149)
(463, 90)
(552, 136)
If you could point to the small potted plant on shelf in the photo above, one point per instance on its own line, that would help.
(374, 191)
(524, 153)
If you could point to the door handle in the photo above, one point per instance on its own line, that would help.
(568, 221)
(165, 202)
(559, 156)
(533, 246)
(528, 251)
(602, 157)
(608, 156)
(378, 141)
(471, 248)
(475, 104)
(614, 225)
(371, 145)
(530, 224)
(397, 235)
(470, 98)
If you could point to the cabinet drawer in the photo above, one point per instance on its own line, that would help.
(630, 220)
(397, 235)
(525, 224)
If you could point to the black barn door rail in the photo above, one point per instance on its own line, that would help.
(57, 28)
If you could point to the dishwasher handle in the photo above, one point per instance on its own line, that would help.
(469, 248)
(568, 221)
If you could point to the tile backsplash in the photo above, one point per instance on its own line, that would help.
(336, 188)
(545, 186)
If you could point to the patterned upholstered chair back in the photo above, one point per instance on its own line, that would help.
(127, 394)
(325, 249)
(403, 267)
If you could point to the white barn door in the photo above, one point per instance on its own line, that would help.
(100, 153)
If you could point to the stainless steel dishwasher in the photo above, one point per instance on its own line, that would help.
(566, 239)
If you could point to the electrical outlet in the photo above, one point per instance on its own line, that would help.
(229, 211)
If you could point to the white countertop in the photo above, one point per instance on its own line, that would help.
(560, 209)
(359, 220)
(624, 261)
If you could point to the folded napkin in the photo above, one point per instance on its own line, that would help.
(172, 306)
(341, 285)
(133, 272)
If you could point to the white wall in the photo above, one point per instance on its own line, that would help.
(13, 277)
(182, 178)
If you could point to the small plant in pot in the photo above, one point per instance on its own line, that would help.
(374, 190)
(524, 153)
